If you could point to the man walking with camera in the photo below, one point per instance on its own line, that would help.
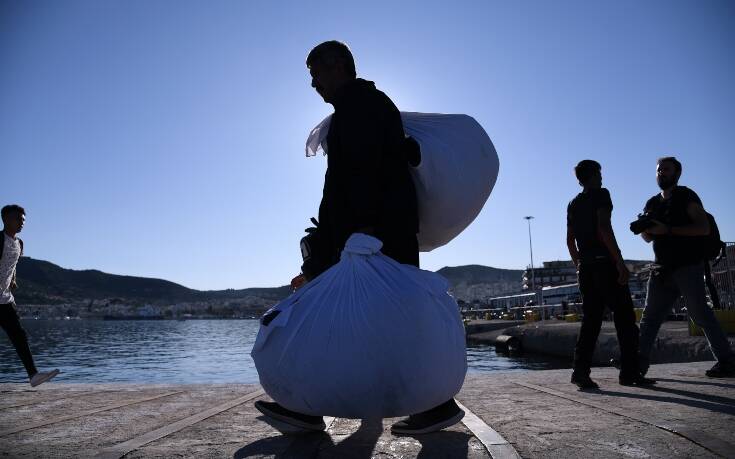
(679, 227)
(603, 278)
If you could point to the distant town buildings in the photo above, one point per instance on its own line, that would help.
(723, 277)
(563, 273)
(551, 274)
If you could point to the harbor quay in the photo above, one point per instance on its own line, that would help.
(674, 343)
(533, 414)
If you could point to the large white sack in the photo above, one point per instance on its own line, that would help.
(368, 338)
(459, 167)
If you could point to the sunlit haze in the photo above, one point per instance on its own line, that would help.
(166, 139)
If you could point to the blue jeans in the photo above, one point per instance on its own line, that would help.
(664, 287)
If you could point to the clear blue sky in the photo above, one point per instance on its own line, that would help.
(166, 138)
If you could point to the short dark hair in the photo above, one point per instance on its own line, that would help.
(586, 169)
(331, 52)
(12, 209)
(672, 160)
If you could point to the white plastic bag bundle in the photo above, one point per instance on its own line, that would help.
(368, 338)
(458, 170)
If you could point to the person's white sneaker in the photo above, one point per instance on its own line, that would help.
(43, 376)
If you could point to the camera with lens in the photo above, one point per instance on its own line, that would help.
(642, 223)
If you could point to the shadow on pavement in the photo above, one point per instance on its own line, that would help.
(699, 383)
(698, 395)
(359, 445)
(292, 443)
(716, 407)
(443, 444)
(285, 446)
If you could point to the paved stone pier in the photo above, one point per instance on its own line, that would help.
(527, 414)
(557, 338)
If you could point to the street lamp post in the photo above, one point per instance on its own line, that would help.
(530, 245)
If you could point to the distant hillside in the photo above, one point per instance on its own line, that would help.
(478, 274)
(473, 282)
(42, 282)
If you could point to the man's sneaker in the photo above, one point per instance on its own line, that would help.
(438, 418)
(637, 380)
(722, 370)
(41, 377)
(279, 413)
(584, 381)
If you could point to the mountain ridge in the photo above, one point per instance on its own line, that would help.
(43, 282)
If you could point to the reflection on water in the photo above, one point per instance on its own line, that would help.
(154, 351)
(169, 351)
(484, 359)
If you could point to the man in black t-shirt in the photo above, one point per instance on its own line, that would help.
(603, 278)
(681, 227)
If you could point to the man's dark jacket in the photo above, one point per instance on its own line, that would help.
(368, 183)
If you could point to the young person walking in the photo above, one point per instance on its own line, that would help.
(12, 248)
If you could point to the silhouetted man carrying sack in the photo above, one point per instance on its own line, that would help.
(14, 218)
(367, 189)
(603, 278)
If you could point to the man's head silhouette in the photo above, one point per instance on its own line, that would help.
(668, 171)
(589, 173)
(331, 66)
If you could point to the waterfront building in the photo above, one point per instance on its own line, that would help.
(552, 273)
(563, 272)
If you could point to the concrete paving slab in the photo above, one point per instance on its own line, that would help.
(540, 424)
(527, 414)
(557, 338)
(121, 449)
(241, 433)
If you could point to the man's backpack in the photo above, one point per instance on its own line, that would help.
(713, 250)
(713, 245)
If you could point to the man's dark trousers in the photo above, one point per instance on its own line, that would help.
(599, 287)
(10, 322)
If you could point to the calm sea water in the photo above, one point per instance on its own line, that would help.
(169, 351)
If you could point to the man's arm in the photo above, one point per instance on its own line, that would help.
(572, 245)
(607, 237)
(13, 283)
(645, 235)
(698, 227)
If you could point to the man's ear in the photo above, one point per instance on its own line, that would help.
(341, 68)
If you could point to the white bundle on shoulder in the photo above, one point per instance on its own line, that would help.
(458, 170)
(368, 338)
